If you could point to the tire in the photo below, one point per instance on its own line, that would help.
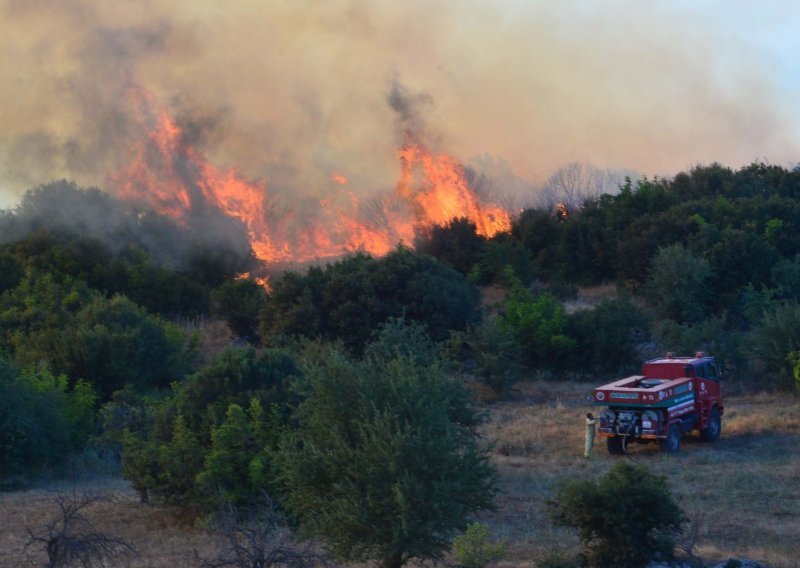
(615, 447)
(712, 431)
(672, 443)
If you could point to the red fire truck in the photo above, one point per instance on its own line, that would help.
(672, 396)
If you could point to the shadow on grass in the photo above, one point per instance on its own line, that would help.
(763, 446)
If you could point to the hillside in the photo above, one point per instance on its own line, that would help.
(741, 492)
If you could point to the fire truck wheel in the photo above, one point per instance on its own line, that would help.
(615, 446)
(672, 443)
(711, 432)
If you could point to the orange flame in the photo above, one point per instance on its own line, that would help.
(561, 211)
(170, 175)
(446, 194)
(262, 281)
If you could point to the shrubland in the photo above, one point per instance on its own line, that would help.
(377, 368)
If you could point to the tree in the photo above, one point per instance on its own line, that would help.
(237, 466)
(114, 342)
(348, 300)
(773, 339)
(54, 319)
(70, 539)
(201, 446)
(490, 352)
(608, 334)
(239, 302)
(385, 462)
(400, 338)
(257, 537)
(456, 244)
(537, 322)
(623, 520)
(42, 420)
(678, 284)
(497, 254)
(739, 258)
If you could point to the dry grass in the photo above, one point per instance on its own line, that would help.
(160, 538)
(745, 489)
(590, 297)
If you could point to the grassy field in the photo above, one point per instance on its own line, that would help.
(742, 493)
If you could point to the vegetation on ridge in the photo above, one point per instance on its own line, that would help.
(109, 349)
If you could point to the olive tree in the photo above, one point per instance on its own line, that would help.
(385, 462)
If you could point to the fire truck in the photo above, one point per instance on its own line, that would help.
(672, 396)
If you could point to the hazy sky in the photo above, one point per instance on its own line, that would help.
(292, 91)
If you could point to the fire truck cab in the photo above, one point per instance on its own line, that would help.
(672, 396)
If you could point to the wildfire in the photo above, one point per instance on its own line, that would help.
(173, 177)
(339, 178)
(561, 211)
(445, 193)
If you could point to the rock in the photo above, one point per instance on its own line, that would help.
(730, 563)
(739, 563)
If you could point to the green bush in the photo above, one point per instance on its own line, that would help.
(384, 463)
(42, 420)
(211, 442)
(607, 336)
(625, 519)
(773, 339)
(348, 300)
(475, 549)
(679, 284)
(712, 335)
(239, 302)
(538, 324)
(109, 342)
(489, 352)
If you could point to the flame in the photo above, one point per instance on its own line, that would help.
(561, 211)
(262, 281)
(445, 194)
(170, 175)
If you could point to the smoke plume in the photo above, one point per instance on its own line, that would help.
(292, 93)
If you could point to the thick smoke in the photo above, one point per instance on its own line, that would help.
(67, 211)
(292, 92)
(410, 108)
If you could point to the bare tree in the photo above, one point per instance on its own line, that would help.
(70, 539)
(575, 182)
(258, 538)
(695, 524)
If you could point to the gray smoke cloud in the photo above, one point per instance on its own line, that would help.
(292, 92)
